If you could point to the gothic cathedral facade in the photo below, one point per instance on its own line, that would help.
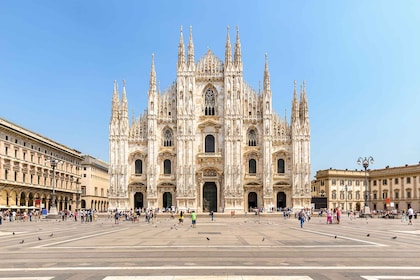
(209, 142)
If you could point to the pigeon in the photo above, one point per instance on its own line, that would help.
(263, 239)
(39, 238)
(14, 233)
(21, 242)
(394, 237)
(52, 234)
(368, 234)
(335, 236)
(207, 238)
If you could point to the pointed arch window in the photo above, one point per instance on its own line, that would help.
(167, 167)
(280, 165)
(209, 103)
(252, 138)
(252, 166)
(209, 144)
(138, 168)
(167, 138)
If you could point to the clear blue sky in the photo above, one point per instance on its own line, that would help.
(360, 60)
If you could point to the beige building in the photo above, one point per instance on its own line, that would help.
(388, 188)
(27, 178)
(94, 184)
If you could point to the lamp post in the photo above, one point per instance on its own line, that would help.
(77, 194)
(53, 209)
(365, 163)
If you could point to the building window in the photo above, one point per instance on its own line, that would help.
(397, 195)
(167, 167)
(350, 196)
(138, 167)
(341, 182)
(357, 183)
(349, 182)
(357, 195)
(6, 150)
(209, 103)
(396, 181)
(384, 195)
(252, 138)
(408, 180)
(209, 144)
(341, 195)
(280, 165)
(16, 175)
(334, 195)
(167, 138)
(252, 166)
(374, 182)
(375, 196)
(6, 174)
(84, 175)
(333, 182)
(408, 194)
(384, 182)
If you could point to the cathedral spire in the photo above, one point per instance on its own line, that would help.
(266, 75)
(190, 50)
(152, 83)
(181, 50)
(124, 106)
(303, 106)
(238, 55)
(295, 105)
(115, 102)
(228, 49)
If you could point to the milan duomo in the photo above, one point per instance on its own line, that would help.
(209, 142)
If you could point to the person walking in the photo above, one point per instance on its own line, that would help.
(193, 219)
(410, 213)
(301, 217)
(181, 218)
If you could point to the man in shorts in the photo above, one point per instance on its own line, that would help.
(410, 213)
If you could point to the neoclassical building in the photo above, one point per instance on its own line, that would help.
(27, 177)
(209, 142)
(383, 189)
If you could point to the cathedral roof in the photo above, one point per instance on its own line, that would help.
(209, 65)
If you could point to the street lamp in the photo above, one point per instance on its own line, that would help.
(53, 209)
(365, 162)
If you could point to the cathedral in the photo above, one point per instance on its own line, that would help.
(209, 142)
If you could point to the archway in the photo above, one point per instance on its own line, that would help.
(138, 200)
(281, 200)
(209, 197)
(167, 200)
(252, 201)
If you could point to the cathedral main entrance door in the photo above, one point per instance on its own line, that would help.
(281, 200)
(138, 200)
(252, 201)
(209, 197)
(167, 200)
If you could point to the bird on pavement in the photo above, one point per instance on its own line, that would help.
(21, 242)
(14, 233)
(394, 237)
(208, 238)
(368, 234)
(335, 236)
(52, 234)
(263, 239)
(39, 238)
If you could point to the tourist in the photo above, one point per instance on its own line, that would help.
(193, 219)
(301, 217)
(410, 213)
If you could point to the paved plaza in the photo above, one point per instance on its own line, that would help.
(239, 247)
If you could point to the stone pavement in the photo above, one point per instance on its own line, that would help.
(246, 246)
